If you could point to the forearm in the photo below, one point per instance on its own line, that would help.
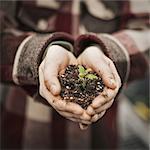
(8, 49)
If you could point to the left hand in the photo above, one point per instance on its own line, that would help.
(55, 62)
(94, 58)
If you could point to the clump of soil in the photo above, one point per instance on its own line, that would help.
(80, 85)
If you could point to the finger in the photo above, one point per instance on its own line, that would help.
(67, 114)
(96, 117)
(98, 101)
(74, 108)
(43, 90)
(80, 121)
(104, 107)
(90, 110)
(105, 73)
(115, 73)
(68, 107)
(41, 81)
(85, 116)
(108, 94)
(104, 97)
(51, 80)
(83, 119)
(83, 126)
(53, 85)
(60, 105)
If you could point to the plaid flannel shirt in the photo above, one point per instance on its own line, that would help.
(114, 24)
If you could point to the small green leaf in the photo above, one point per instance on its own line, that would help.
(82, 75)
(81, 69)
(91, 76)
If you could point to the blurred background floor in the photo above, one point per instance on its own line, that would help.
(133, 131)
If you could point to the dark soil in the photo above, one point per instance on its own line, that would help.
(77, 90)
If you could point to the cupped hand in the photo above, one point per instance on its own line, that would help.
(54, 63)
(92, 57)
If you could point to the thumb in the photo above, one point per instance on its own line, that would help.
(109, 80)
(51, 80)
(105, 72)
(53, 85)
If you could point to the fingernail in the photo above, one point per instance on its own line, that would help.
(90, 110)
(112, 82)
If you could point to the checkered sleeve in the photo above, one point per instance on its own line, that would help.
(137, 45)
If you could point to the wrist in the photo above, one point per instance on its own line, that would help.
(30, 56)
(94, 47)
(64, 44)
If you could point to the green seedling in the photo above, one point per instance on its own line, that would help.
(82, 71)
(91, 76)
(85, 74)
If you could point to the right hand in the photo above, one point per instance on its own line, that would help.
(55, 62)
(93, 57)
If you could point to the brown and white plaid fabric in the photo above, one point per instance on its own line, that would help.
(26, 124)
